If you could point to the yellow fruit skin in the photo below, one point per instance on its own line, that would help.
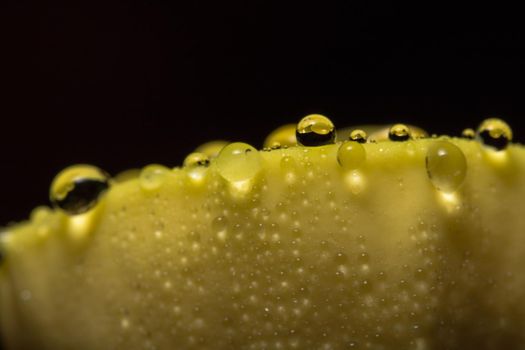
(324, 258)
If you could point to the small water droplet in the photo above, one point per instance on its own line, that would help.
(399, 132)
(212, 148)
(495, 133)
(196, 159)
(220, 225)
(152, 176)
(78, 188)
(239, 162)
(446, 166)
(351, 155)
(468, 133)
(315, 130)
(283, 136)
(358, 135)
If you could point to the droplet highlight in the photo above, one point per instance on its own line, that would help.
(446, 166)
(239, 162)
(399, 132)
(495, 133)
(78, 188)
(315, 130)
(351, 155)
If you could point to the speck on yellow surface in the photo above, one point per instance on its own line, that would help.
(300, 254)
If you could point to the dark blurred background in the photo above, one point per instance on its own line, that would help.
(121, 84)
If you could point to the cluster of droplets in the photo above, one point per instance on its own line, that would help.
(79, 188)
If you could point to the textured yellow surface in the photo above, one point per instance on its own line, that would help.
(297, 252)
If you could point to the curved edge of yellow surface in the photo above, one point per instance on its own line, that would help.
(301, 254)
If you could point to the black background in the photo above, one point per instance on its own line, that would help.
(122, 84)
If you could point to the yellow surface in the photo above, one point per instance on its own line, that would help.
(300, 253)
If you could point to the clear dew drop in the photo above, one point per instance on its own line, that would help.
(289, 168)
(351, 155)
(196, 159)
(153, 176)
(212, 148)
(283, 136)
(495, 133)
(446, 166)
(239, 162)
(78, 188)
(358, 135)
(468, 133)
(219, 226)
(399, 132)
(315, 130)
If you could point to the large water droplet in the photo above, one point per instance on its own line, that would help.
(283, 136)
(399, 132)
(315, 130)
(239, 162)
(446, 166)
(152, 176)
(495, 133)
(78, 188)
(351, 155)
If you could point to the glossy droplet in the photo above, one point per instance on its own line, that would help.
(220, 225)
(399, 132)
(152, 176)
(351, 155)
(239, 162)
(212, 148)
(446, 166)
(358, 135)
(196, 159)
(495, 133)
(78, 188)
(468, 133)
(283, 136)
(315, 130)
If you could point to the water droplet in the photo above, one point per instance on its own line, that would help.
(351, 155)
(152, 176)
(212, 148)
(289, 168)
(283, 136)
(315, 130)
(399, 132)
(495, 133)
(358, 135)
(220, 225)
(78, 188)
(196, 159)
(238, 162)
(468, 133)
(446, 166)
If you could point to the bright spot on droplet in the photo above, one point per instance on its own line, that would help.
(124, 323)
(80, 225)
(450, 200)
(355, 181)
(498, 158)
(239, 189)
